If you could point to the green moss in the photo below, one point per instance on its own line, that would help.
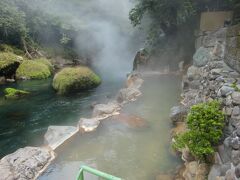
(12, 49)
(31, 69)
(46, 62)
(11, 93)
(75, 79)
(9, 62)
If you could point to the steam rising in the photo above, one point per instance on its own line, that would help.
(106, 36)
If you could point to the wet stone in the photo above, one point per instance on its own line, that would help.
(88, 125)
(236, 98)
(225, 91)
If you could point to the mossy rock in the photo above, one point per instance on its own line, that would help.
(31, 69)
(75, 79)
(46, 62)
(11, 93)
(9, 63)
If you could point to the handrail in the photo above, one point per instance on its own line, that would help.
(95, 172)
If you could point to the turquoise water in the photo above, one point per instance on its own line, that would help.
(122, 150)
(24, 122)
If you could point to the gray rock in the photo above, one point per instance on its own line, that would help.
(227, 111)
(216, 71)
(57, 135)
(201, 57)
(235, 157)
(230, 175)
(134, 81)
(128, 95)
(235, 143)
(225, 91)
(88, 125)
(26, 163)
(236, 98)
(178, 114)
(103, 111)
(194, 73)
(235, 111)
(218, 170)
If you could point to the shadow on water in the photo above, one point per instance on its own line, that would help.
(23, 122)
(131, 151)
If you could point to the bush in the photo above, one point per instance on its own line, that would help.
(31, 69)
(205, 123)
(75, 79)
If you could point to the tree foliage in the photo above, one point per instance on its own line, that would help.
(168, 15)
(24, 24)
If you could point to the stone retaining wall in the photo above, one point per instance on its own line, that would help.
(207, 79)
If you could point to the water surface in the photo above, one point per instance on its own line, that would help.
(23, 122)
(128, 152)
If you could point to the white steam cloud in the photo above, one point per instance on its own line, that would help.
(106, 36)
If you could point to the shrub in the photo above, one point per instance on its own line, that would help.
(205, 123)
(75, 79)
(31, 69)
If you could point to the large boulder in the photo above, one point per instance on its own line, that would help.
(201, 57)
(11, 93)
(74, 79)
(31, 69)
(9, 63)
(57, 135)
(26, 163)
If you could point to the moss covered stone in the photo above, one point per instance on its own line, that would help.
(11, 93)
(75, 79)
(31, 69)
(46, 62)
(9, 62)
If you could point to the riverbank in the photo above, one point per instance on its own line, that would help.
(57, 135)
(211, 78)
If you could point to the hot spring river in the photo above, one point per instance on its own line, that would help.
(116, 147)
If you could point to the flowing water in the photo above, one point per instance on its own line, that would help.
(24, 122)
(123, 150)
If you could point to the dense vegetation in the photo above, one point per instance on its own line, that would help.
(205, 123)
(168, 16)
(24, 25)
(171, 24)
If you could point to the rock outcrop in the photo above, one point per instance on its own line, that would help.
(26, 163)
